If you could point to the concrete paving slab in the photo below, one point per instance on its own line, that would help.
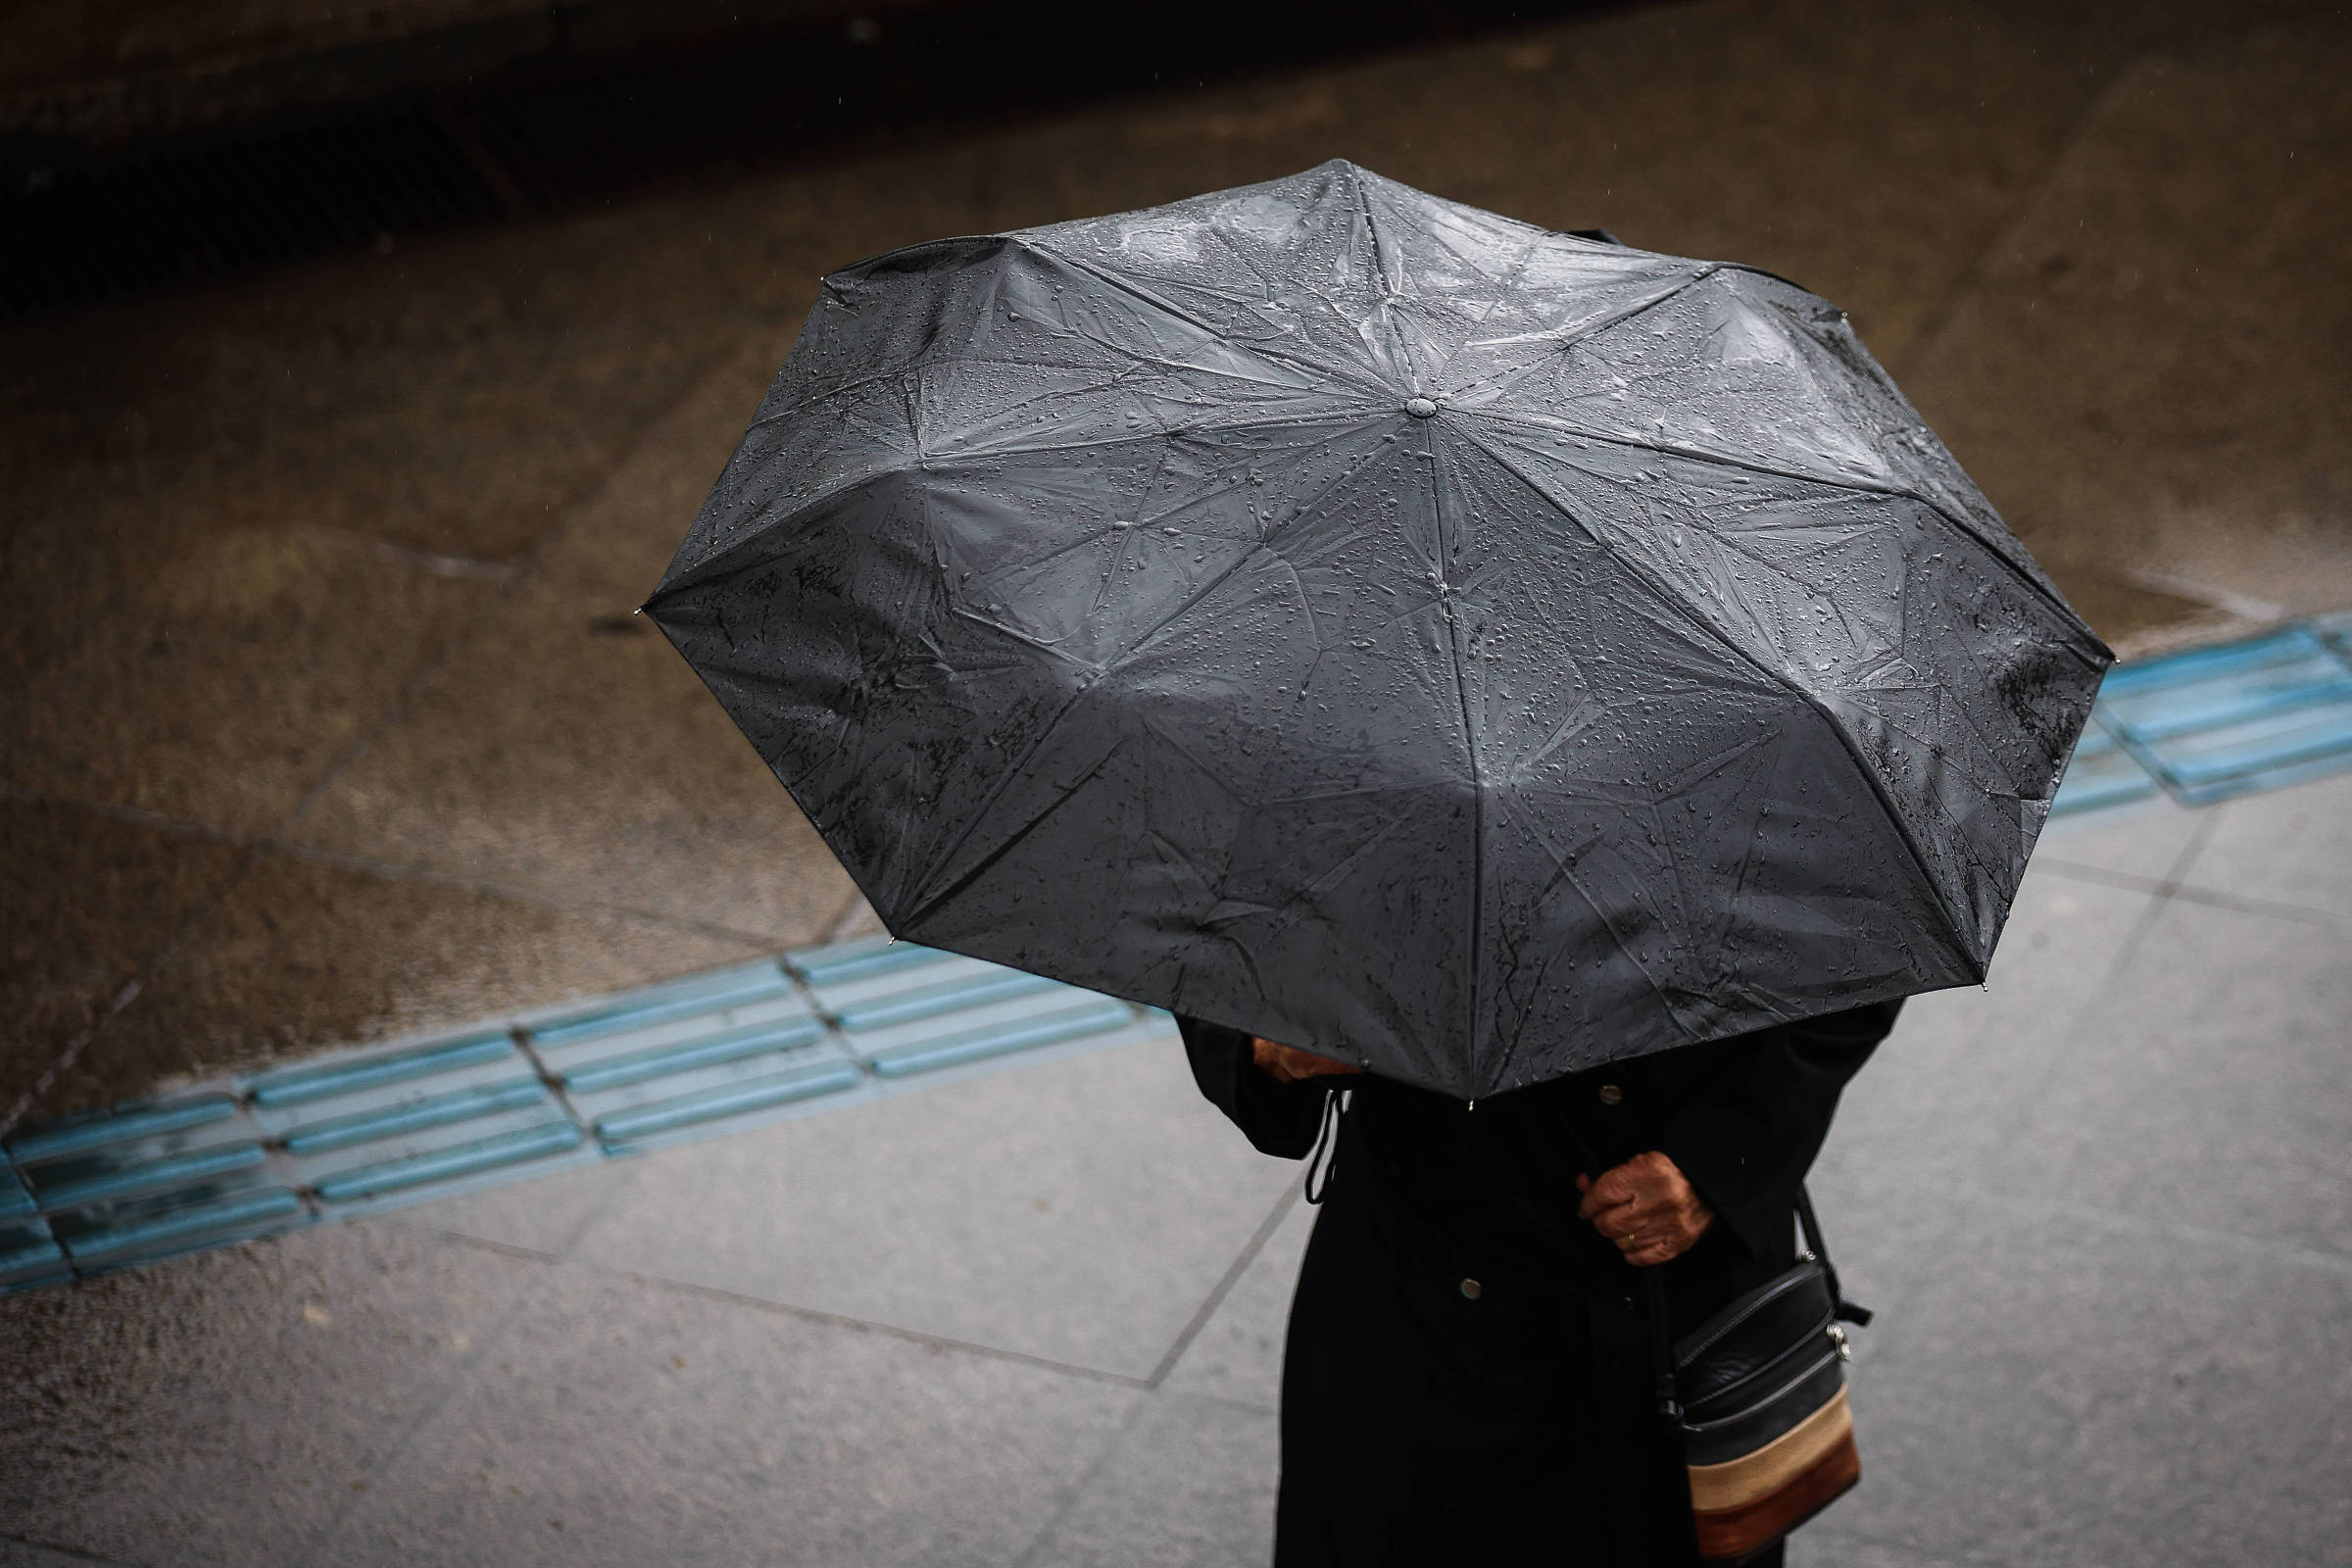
(546, 1213)
(305, 954)
(1079, 1211)
(567, 697)
(2145, 840)
(2072, 1391)
(1189, 1482)
(493, 378)
(224, 1407)
(624, 1422)
(1940, 1102)
(2293, 845)
(2171, 293)
(2210, 1089)
(92, 899)
(1941, 1094)
(205, 668)
(1236, 1356)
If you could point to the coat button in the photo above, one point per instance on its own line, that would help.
(1610, 1094)
(1472, 1290)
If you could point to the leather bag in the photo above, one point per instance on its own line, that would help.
(1754, 1400)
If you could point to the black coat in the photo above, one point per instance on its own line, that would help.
(1467, 1373)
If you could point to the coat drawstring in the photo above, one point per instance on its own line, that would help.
(1321, 1159)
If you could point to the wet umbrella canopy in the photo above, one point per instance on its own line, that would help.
(1390, 628)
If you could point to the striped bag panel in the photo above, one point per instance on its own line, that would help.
(1767, 1432)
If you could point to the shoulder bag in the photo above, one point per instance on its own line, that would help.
(1754, 1397)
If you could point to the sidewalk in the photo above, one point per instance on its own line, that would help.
(2103, 1206)
(328, 724)
(327, 721)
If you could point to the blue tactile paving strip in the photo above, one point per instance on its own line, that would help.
(2215, 723)
(358, 1131)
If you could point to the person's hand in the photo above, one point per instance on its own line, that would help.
(1287, 1065)
(1648, 1207)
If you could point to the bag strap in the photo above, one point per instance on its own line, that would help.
(1661, 1354)
(1662, 1333)
(1846, 1311)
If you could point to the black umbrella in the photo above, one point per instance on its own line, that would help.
(1468, 649)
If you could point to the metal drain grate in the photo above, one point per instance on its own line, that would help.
(356, 1132)
(2215, 723)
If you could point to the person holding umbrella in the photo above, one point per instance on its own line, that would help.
(1562, 693)
(1467, 1374)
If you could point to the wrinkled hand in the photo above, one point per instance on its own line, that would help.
(1287, 1065)
(1648, 1207)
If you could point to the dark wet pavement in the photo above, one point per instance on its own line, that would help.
(326, 717)
(325, 723)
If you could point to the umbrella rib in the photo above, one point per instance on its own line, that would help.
(928, 462)
(1062, 798)
(1568, 874)
(1112, 281)
(1165, 433)
(1969, 529)
(1134, 356)
(1593, 329)
(1217, 580)
(1966, 529)
(1142, 519)
(1379, 246)
(1701, 455)
(716, 564)
(1106, 667)
(772, 416)
(1436, 378)
(1878, 786)
(1470, 748)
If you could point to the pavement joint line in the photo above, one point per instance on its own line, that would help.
(139, 817)
(394, 870)
(486, 1243)
(524, 567)
(2317, 1259)
(853, 913)
(2144, 922)
(813, 1314)
(1067, 1497)
(344, 1134)
(1224, 1402)
(74, 1552)
(2190, 892)
(459, 1381)
(1971, 277)
(1233, 1275)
